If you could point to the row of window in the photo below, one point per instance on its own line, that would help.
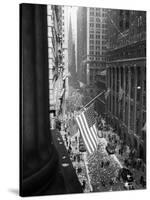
(99, 19)
(98, 14)
(103, 25)
(97, 58)
(92, 36)
(97, 42)
(98, 32)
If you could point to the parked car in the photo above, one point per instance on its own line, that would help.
(126, 175)
(82, 148)
(110, 148)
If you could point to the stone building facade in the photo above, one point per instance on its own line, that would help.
(126, 77)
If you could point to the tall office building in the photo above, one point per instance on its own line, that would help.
(91, 44)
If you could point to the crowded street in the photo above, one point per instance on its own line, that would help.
(99, 172)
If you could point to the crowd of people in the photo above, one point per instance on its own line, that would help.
(105, 167)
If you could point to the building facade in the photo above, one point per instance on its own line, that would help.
(56, 60)
(91, 44)
(126, 77)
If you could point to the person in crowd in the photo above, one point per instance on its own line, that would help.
(103, 183)
(83, 184)
(102, 164)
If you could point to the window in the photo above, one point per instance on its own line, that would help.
(91, 47)
(97, 36)
(91, 24)
(91, 41)
(91, 19)
(92, 9)
(97, 41)
(91, 31)
(91, 36)
(97, 25)
(97, 14)
(97, 48)
(103, 25)
(98, 19)
(103, 36)
(97, 32)
(91, 13)
(91, 52)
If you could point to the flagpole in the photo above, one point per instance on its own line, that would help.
(93, 99)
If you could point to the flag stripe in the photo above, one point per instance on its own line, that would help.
(87, 139)
(93, 143)
(84, 139)
(95, 135)
(94, 131)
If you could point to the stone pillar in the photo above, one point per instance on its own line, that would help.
(111, 93)
(115, 92)
(38, 157)
(119, 68)
(135, 98)
(129, 94)
(124, 88)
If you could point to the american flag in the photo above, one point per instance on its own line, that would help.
(87, 125)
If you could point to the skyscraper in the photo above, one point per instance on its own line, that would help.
(91, 44)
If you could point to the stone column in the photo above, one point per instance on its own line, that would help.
(135, 97)
(38, 158)
(115, 92)
(129, 94)
(124, 88)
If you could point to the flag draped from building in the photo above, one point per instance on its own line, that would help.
(87, 125)
(107, 93)
(81, 84)
(121, 92)
(144, 127)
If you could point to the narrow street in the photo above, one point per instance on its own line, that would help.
(99, 172)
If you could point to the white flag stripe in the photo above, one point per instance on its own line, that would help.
(88, 141)
(93, 142)
(94, 134)
(83, 135)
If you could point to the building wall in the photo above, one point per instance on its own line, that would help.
(55, 59)
(81, 43)
(91, 42)
(126, 77)
(97, 27)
